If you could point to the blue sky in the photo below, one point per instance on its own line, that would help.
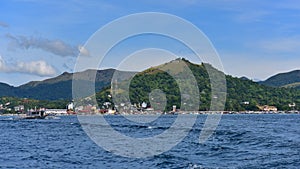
(41, 38)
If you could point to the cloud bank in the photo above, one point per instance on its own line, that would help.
(56, 47)
(40, 68)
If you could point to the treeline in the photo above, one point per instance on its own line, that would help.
(7, 104)
(242, 94)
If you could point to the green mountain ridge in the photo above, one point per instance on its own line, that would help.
(287, 79)
(57, 88)
(242, 94)
(239, 90)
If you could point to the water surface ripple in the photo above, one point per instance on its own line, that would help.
(240, 141)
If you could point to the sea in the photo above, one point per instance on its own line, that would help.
(239, 141)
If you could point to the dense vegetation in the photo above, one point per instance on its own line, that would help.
(242, 94)
(8, 104)
(239, 90)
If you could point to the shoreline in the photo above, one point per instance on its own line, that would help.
(171, 113)
(192, 113)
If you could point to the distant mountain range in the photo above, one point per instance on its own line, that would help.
(57, 88)
(288, 79)
(239, 90)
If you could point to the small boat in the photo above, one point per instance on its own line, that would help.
(36, 114)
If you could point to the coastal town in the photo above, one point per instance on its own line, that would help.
(126, 109)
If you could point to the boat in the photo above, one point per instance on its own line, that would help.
(35, 114)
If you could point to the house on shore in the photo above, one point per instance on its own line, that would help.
(19, 108)
(267, 108)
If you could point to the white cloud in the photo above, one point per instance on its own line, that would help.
(56, 47)
(83, 51)
(40, 68)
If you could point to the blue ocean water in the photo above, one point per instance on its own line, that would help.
(240, 141)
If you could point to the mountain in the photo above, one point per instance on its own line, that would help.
(59, 87)
(6, 90)
(288, 79)
(242, 93)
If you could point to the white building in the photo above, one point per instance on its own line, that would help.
(70, 106)
(19, 108)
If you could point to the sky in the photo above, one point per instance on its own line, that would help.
(40, 39)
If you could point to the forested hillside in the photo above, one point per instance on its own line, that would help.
(242, 94)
